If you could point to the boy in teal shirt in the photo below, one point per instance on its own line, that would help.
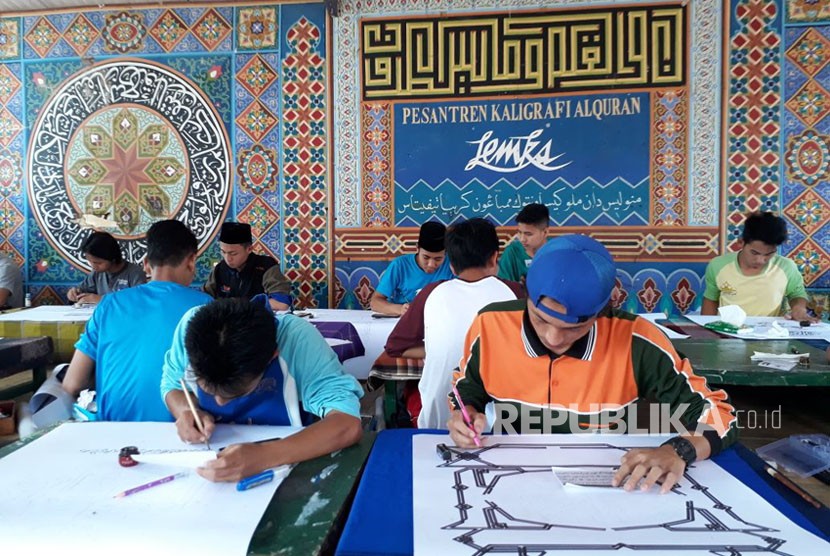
(532, 222)
(408, 274)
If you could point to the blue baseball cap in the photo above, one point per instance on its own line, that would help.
(577, 272)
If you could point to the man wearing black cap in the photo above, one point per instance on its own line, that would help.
(562, 361)
(242, 273)
(407, 274)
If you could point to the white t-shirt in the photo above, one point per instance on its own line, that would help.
(448, 313)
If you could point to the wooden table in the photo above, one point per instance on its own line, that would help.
(63, 323)
(281, 531)
(21, 354)
(724, 361)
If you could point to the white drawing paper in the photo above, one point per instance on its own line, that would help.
(189, 458)
(58, 495)
(762, 328)
(50, 313)
(505, 498)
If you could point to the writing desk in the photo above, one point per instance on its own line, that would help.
(373, 333)
(21, 354)
(380, 522)
(63, 323)
(291, 525)
(727, 361)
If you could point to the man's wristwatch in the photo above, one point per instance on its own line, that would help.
(684, 448)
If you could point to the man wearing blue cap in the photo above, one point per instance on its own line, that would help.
(564, 360)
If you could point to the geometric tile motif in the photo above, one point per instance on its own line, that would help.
(257, 169)
(810, 53)
(649, 295)
(256, 75)
(10, 218)
(808, 157)
(10, 127)
(808, 10)
(810, 104)
(256, 121)
(169, 30)
(124, 32)
(626, 243)
(9, 36)
(42, 37)
(260, 216)
(669, 168)
(377, 170)
(753, 132)
(256, 28)
(683, 295)
(11, 174)
(812, 260)
(9, 84)
(306, 220)
(808, 211)
(47, 296)
(81, 34)
(211, 29)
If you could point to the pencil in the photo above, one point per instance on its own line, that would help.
(193, 409)
(151, 484)
(794, 487)
(465, 414)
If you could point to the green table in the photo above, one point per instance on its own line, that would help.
(283, 530)
(727, 361)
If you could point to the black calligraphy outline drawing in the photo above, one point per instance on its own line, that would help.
(472, 470)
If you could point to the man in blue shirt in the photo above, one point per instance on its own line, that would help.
(252, 367)
(408, 274)
(124, 343)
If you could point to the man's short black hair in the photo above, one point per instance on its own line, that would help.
(103, 246)
(764, 227)
(169, 242)
(470, 244)
(534, 214)
(229, 343)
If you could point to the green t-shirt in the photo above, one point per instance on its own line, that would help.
(513, 262)
(760, 295)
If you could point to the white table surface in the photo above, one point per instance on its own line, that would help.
(373, 333)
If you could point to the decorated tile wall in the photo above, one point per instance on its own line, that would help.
(204, 113)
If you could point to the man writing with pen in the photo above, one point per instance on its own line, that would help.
(250, 367)
(563, 361)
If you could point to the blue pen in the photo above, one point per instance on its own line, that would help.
(255, 480)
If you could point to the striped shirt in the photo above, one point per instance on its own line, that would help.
(592, 386)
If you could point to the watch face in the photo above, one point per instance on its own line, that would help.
(684, 448)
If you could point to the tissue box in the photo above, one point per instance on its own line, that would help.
(7, 423)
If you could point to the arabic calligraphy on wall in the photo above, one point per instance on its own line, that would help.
(530, 53)
(585, 156)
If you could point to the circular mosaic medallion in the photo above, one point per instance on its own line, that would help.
(133, 142)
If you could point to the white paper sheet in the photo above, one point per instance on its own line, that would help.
(505, 496)
(58, 495)
(818, 331)
(654, 317)
(50, 313)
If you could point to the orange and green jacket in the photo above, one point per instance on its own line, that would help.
(622, 359)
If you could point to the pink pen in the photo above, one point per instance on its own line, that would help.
(466, 415)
